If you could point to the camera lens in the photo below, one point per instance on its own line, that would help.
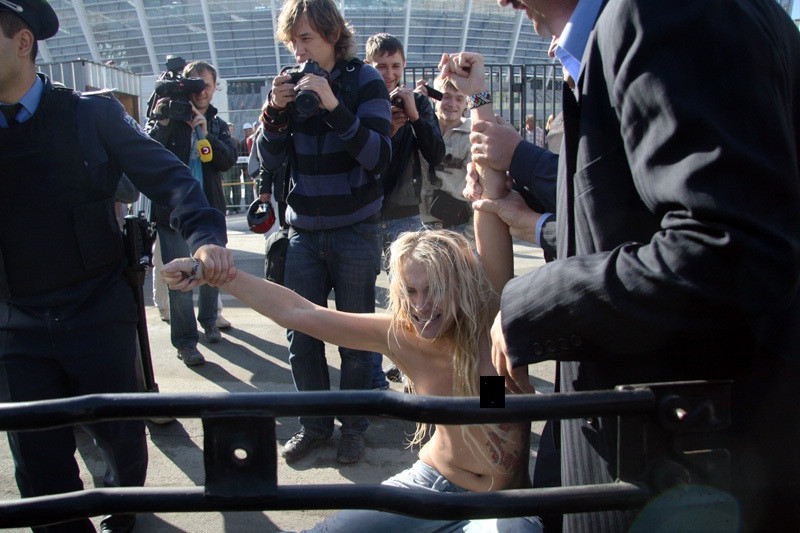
(306, 103)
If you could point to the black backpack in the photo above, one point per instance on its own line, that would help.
(275, 259)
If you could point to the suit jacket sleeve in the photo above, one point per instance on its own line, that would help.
(534, 171)
(719, 275)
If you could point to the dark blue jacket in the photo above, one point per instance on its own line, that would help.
(111, 142)
(176, 137)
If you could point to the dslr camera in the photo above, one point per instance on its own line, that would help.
(397, 101)
(306, 103)
(171, 84)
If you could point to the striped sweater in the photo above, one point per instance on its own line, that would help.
(338, 156)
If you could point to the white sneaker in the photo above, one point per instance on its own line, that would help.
(164, 313)
(223, 323)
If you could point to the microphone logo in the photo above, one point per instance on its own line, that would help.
(203, 146)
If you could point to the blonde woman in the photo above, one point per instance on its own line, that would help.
(437, 332)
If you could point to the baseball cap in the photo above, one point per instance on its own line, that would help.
(37, 13)
(246, 125)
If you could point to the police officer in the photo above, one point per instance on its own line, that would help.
(67, 317)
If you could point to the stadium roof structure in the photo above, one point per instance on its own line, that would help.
(237, 36)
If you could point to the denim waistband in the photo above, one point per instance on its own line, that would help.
(424, 476)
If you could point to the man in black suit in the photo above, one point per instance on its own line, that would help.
(678, 237)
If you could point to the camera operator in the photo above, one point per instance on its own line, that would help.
(181, 137)
(335, 157)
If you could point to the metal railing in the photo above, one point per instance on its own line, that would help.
(517, 90)
(667, 436)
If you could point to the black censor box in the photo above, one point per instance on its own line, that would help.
(493, 391)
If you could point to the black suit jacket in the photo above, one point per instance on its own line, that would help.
(678, 234)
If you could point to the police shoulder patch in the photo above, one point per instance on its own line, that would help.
(135, 125)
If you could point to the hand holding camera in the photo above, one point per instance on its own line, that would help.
(403, 99)
(282, 93)
(307, 86)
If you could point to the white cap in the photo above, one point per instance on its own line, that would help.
(247, 125)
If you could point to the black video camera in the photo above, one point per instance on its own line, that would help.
(171, 84)
(397, 101)
(307, 102)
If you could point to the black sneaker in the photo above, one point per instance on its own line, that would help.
(300, 444)
(213, 334)
(351, 448)
(191, 356)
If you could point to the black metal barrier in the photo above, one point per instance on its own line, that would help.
(667, 436)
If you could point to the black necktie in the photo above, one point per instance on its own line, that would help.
(10, 112)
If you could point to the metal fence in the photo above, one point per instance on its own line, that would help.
(517, 90)
(668, 435)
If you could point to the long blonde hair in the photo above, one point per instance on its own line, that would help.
(459, 287)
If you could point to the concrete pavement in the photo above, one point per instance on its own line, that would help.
(252, 357)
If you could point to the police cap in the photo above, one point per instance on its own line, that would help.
(37, 13)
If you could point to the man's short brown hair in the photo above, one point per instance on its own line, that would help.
(441, 84)
(11, 24)
(325, 18)
(383, 44)
(199, 67)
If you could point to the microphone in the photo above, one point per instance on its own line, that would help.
(203, 146)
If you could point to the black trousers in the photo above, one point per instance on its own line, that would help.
(50, 353)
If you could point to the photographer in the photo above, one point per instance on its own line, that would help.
(336, 154)
(415, 131)
(182, 132)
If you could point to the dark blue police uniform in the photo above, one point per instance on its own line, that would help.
(67, 317)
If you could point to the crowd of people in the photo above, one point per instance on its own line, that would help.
(666, 220)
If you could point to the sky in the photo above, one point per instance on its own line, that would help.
(796, 10)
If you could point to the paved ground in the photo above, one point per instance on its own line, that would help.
(252, 357)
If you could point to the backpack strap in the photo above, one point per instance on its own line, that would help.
(348, 83)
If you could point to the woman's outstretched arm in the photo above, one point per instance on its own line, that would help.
(359, 331)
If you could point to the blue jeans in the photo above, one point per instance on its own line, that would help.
(346, 260)
(182, 325)
(422, 477)
(392, 228)
(378, 375)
